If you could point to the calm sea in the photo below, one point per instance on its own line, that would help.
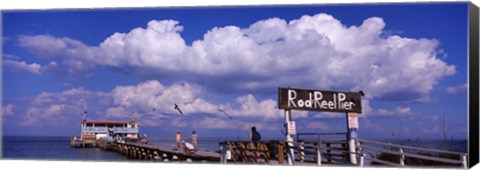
(58, 148)
(51, 148)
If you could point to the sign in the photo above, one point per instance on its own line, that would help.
(352, 120)
(291, 128)
(319, 100)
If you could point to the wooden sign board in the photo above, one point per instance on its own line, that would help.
(319, 100)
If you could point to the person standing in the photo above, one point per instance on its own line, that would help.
(178, 138)
(255, 135)
(194, 140)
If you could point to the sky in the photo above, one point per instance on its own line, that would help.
(121, 64)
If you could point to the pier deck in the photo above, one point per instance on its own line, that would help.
(162, 152)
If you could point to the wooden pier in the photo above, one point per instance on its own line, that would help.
(269, 152)
(86, 141)
(306, 153)
(139, 151)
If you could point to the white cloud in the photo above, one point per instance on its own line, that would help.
(11, 65)
(149, 101)
(74, 68)
(398, 112)
(58, 107)
(8, 110)
(153, 95)
(457, 89)
(54, 110)
(249, 106)
(313, 51)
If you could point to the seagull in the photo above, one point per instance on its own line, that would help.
(225, 113)
(178, 108)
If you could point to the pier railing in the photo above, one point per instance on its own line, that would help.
(320, 152)
(304, 152)
(398, 155)
(105, 130)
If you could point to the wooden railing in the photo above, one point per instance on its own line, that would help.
(400, 153)
(334, 152)
(309, 152)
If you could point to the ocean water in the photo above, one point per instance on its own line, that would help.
(58, 148)
(52, 148)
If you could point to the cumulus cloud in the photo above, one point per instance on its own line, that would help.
(8, 110)
(152, 94)
(12, 65)
(457, 89)
(313, 51)
(150, 102)
(74, 68)
(62, 106)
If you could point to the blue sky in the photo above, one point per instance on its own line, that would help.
(410, 59)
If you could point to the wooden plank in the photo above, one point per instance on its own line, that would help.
(201, 154)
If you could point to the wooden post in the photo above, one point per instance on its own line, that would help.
(329, 154)
(281, 157)
(235, 152)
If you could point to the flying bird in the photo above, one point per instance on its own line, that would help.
(225, 113)
(178, 108)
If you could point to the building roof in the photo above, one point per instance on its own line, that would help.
(106, 122)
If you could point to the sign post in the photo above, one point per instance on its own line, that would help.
(353, 133)
(289, 138)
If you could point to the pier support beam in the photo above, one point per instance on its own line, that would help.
(289, 138)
